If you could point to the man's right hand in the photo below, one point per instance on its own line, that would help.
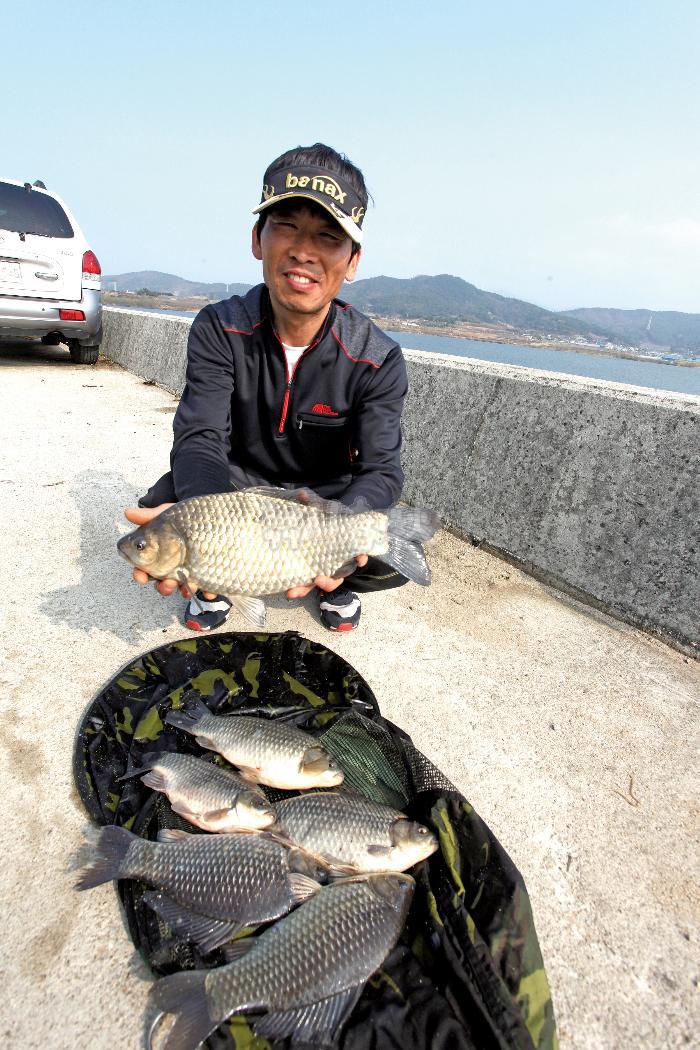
(166, 587)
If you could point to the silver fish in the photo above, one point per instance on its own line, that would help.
(262, 541)
(210, 886)
(352, 834)
(265, 750)
(307, 971)
(213, 798)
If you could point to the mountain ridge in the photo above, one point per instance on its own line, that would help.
(445, 298)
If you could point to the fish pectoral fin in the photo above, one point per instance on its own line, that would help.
(379, 851)
(315, 1023)
(237, 949)
(206, 932)
(314, 760)
(252, 608)
(340, 869)
(180, 808)
(213, 815)
(173, 835)
(346, 569)
(302, 887)
(192, 586)
(249, 773)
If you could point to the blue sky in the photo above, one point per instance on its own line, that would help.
(543, 150)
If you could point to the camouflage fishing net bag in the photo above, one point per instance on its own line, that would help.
(467, 973)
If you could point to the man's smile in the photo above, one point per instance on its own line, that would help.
(299, 280)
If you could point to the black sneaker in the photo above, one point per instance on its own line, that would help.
(212, 614)
(340, 609)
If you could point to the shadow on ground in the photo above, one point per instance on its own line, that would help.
(32, 353)
(107, 599)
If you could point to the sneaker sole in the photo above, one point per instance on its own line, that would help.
(194, 626)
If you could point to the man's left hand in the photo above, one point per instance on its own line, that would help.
(324, 583)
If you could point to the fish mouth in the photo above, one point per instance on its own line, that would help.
(123, 545)
(259, 818)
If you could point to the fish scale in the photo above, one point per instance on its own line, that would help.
(219, 875)
(334, 942)
(261, 739)
(245, 543)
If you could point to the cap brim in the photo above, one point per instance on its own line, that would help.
(344, 221)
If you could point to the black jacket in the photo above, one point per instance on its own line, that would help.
(333, 426)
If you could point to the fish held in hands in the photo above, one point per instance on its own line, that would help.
(208, 887)
(262, 541)
(212, 798)
(306, 972)
(352, 834)
(266, 751)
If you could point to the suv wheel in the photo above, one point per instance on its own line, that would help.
(83, 355)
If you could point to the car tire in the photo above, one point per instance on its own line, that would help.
(83, 355)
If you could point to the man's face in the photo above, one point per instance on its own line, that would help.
(306, 258)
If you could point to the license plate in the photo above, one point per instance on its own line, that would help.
(9, 272)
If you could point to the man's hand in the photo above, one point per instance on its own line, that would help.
(324, 583)
(166, 587)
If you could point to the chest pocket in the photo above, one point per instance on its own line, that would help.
(324, 443)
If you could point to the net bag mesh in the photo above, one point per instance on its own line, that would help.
(467, 973)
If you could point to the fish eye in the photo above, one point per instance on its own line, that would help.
(140, 545)
(422, 830)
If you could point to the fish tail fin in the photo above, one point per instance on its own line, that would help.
(106, 857)
(189, 716)
(409, 527)
(184, 994)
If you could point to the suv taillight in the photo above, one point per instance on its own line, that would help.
(90, 263)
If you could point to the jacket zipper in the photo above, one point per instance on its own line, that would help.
(290, 378)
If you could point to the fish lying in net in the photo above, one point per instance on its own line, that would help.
(208, 886)
(352, 834)
(212, 798)
(265, 750)
(306, 971)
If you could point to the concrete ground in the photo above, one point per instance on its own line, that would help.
(575, 737)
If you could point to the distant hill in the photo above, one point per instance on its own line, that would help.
(646, 327)
(156, 281)
(448, 298)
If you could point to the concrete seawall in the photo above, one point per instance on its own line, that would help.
(590, 486)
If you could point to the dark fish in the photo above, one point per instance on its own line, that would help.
(307, 971)
(210, 886)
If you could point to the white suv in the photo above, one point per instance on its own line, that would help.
(50, 280)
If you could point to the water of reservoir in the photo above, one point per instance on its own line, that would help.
(680, 378)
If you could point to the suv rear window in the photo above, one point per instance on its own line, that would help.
(26, 211)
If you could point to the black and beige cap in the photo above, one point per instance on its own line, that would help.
(329, 190)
